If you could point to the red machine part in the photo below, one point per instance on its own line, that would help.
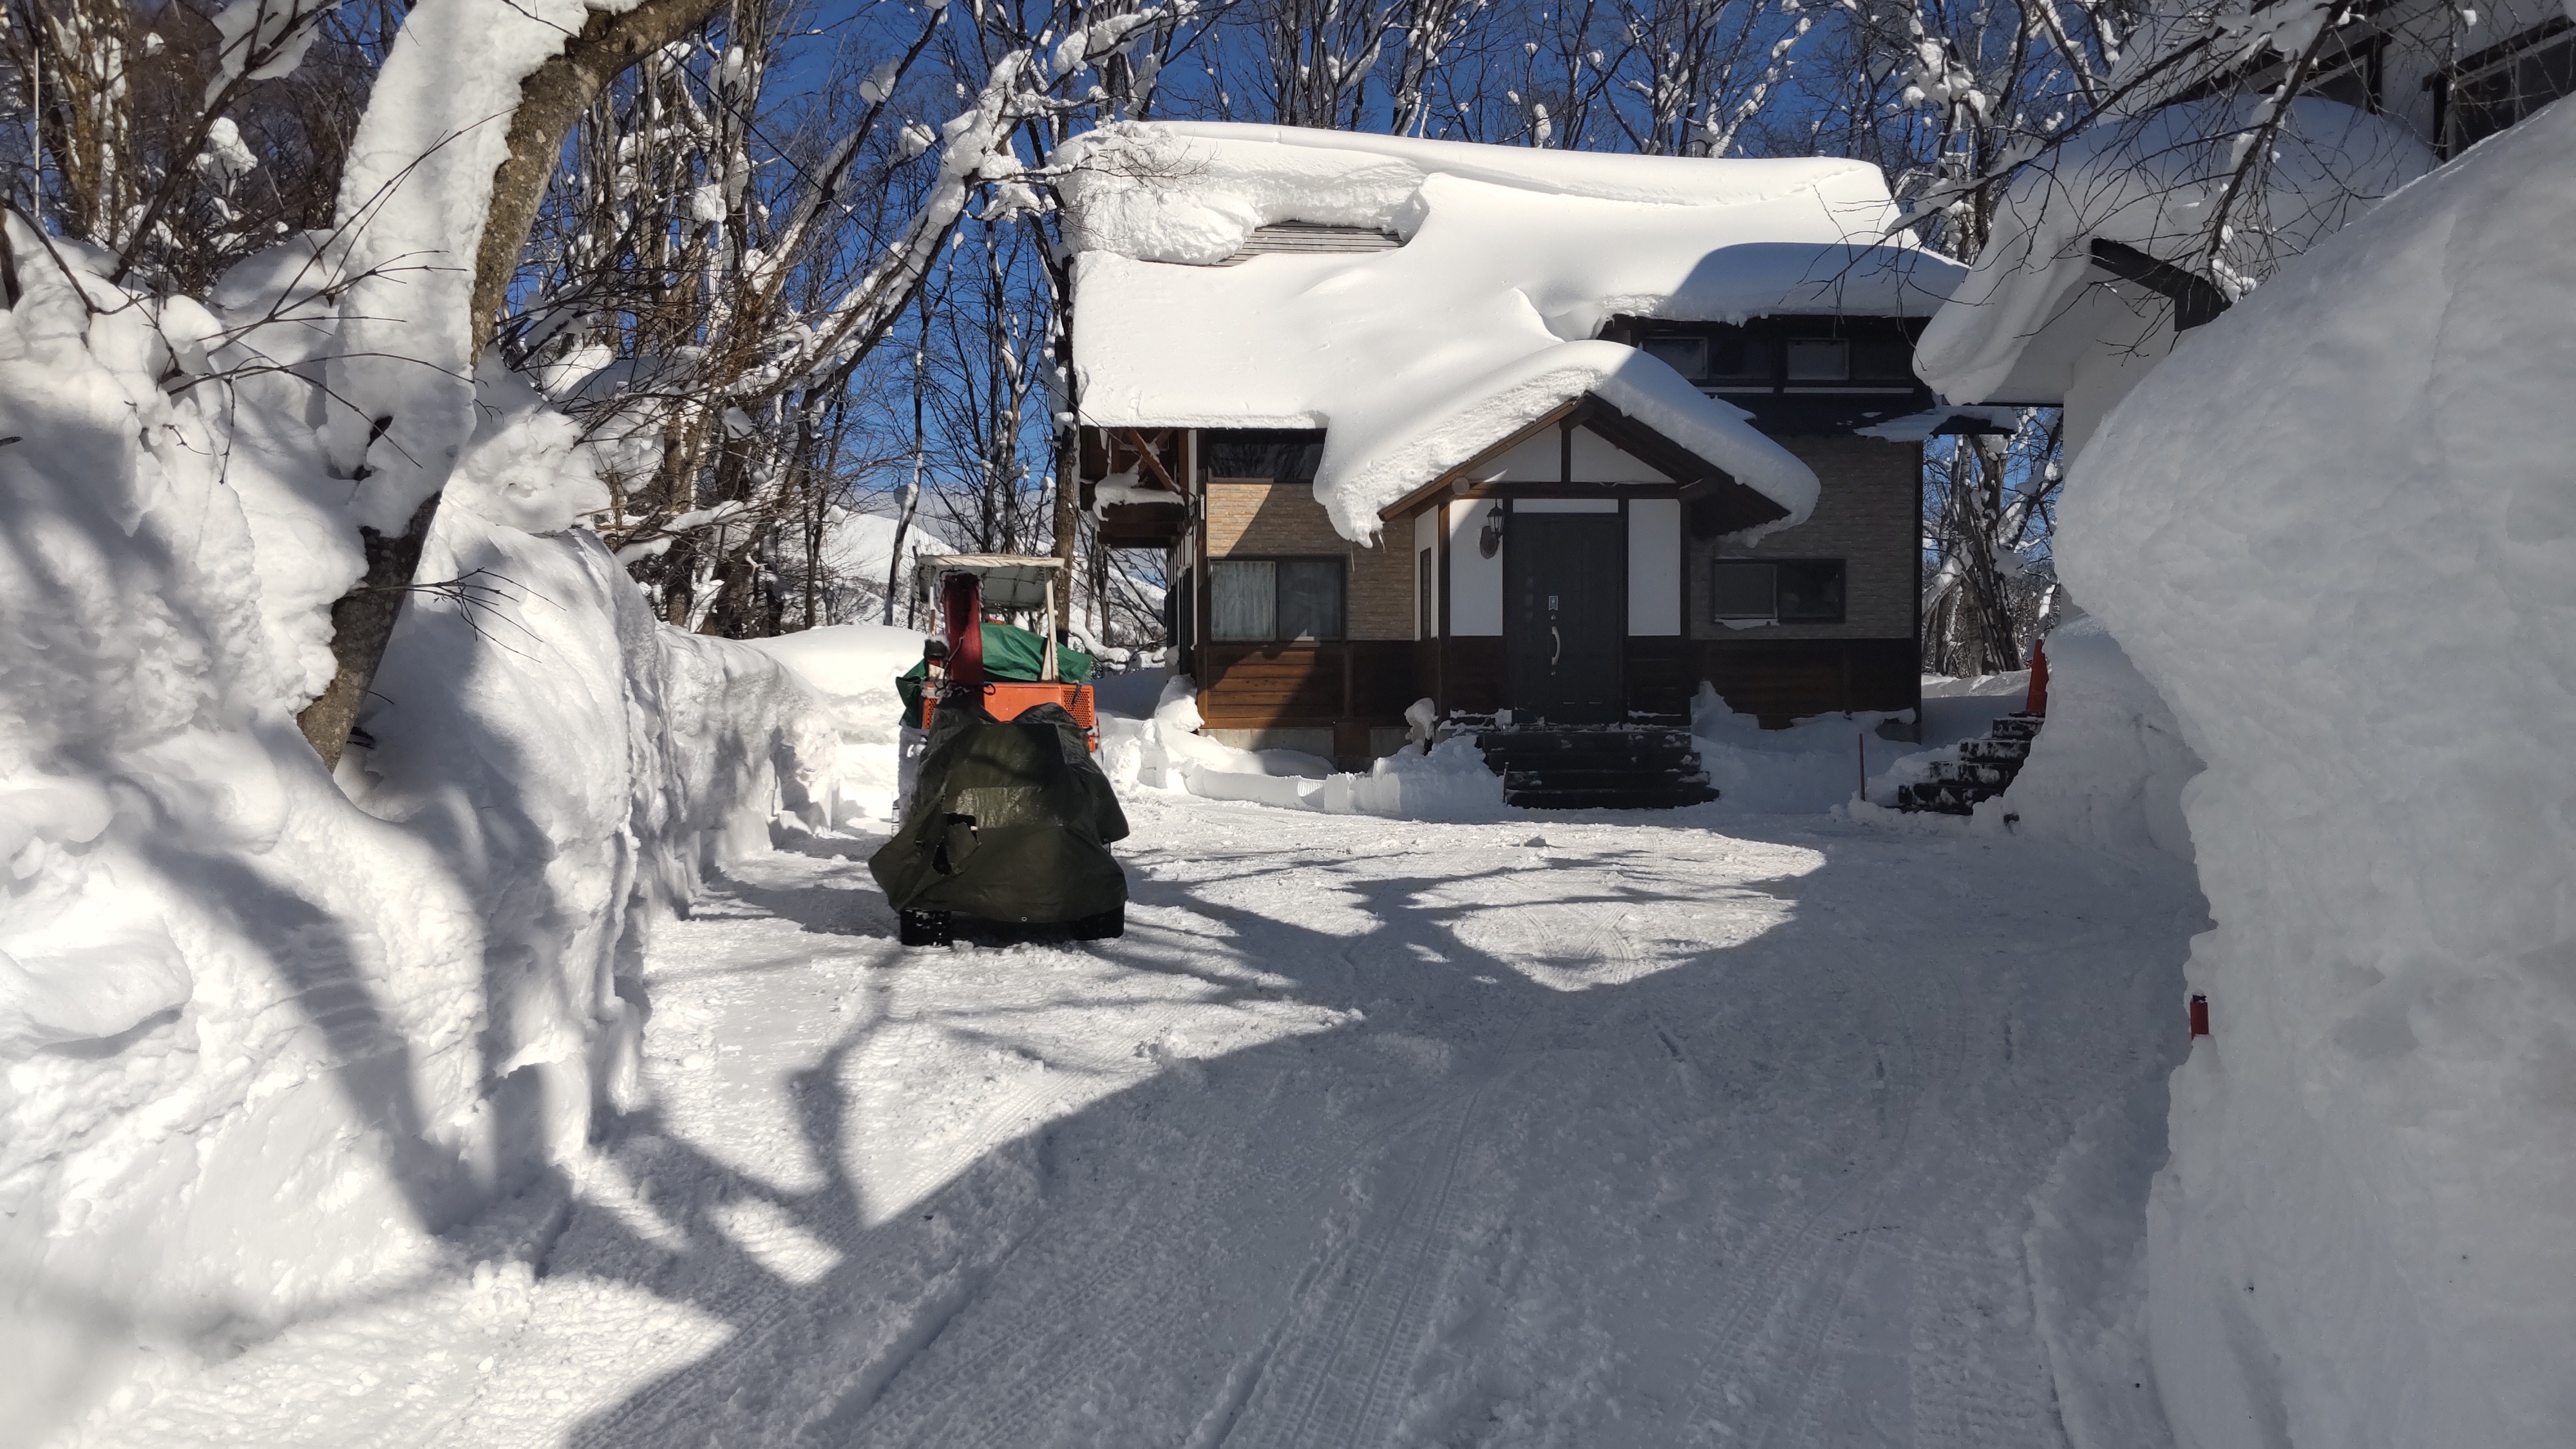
(961, 606)
(2199, 1015)
(2038, 701)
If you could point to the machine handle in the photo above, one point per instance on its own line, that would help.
(1556, 646)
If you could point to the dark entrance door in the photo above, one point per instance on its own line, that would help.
(1565, 600)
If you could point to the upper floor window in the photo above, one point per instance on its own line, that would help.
(1282, 455)
(1790, 353)
(2498, 86)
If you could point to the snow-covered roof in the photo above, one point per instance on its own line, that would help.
(1418, 357)
(2014, 329)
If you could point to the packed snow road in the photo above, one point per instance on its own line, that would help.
(1369, 1132)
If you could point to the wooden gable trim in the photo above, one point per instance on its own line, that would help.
(1413, 502)
(1734, 506)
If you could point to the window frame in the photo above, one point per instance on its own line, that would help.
(1342, 596)
(1842, 601)
(1767, 341)
(2498, 60)
(1293, 454)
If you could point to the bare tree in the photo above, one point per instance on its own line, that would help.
(1989, 511)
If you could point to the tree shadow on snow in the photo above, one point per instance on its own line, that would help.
(1262, 1240)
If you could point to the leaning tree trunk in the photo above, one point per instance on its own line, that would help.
(550, 100)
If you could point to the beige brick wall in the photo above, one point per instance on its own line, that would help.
(1864, 516)
(1264, 519)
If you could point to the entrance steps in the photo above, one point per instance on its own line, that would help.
(1985, 769)
(1596, 767)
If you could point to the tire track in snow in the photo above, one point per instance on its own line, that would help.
(1802, 1276)
(1936, 1063)
(1098, 1306)
(1338, 1386)
(761, 1311)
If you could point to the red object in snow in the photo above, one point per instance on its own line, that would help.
(961, 600)
(2038, 702)
(2200, 1016)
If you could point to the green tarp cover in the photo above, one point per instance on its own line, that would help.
(1011, 821)
(1009, 653)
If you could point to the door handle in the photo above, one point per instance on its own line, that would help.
(1556, 648)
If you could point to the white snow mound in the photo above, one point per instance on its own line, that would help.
(2108, 769)
(265, 1033)
(2337, 530)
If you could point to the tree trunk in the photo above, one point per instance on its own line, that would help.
(550, 101)
(1068, 516)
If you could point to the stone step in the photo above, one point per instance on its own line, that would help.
(1605, 767)
(1970, 772)
(1523, 781)
(1611, 798)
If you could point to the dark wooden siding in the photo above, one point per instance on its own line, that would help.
(1661, 676)
(1781, 680)
(1353, 685)
(1266, 686)
(1472, 679)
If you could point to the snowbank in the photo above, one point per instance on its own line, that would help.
(2108, 769)
(1165, 752)
(852, 669)
(1809, 768)
(263, 1034)
(2335, 531)
(1422, 355)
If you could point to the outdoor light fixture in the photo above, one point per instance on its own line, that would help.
(1490, 542)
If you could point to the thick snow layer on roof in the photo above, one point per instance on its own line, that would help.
(1385, 452)
(2335, 528)
(2150, 183)
(1433, 350)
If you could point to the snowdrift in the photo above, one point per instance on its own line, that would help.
(263, 1034)
(1166, 752)
(851, 669)
(2109, 768)
(2337, 531)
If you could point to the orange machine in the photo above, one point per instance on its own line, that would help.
(1004, 699)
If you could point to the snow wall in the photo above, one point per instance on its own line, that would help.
(2337, 530)
(264, 1034)
(2107, 772)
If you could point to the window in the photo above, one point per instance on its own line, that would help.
(1738, 360)
(1740, 591)
(1786, 591)
(1282, 455)
(1811, 591)
(2353, 77)
(1685, 355)
(2496, 88)
(1819, 359)
(1883, 359)
(1260, 600)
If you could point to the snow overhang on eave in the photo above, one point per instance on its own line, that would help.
(1737, 507)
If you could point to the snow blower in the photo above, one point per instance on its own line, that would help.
(1006, 832)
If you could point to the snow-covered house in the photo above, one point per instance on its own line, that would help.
(2098, 258)
(1555, 433)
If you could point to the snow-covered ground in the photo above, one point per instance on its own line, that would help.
(1367, 1132)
